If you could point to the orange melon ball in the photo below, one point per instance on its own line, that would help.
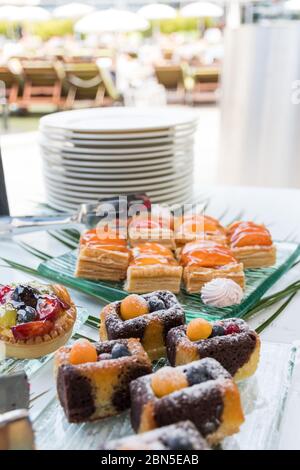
(167, 380)
(83, 351)
(198, 329)
(133, 306)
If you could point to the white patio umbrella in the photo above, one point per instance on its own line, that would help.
(157, 11)
(201, 10)
(72, 11)
(8, 13)
(111, 21)
(32, 14)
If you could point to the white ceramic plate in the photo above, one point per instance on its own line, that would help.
(119, 158)
(116, 120)
(84, 183)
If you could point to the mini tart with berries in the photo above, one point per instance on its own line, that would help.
(231, 342)
(202, 392)
(192, 227)
(152, 229)
(102, 256)
(148, 317)
(179, 436)
(251, 244)
(93, 378)
(205, 260)
(35, 319)
(152, 266)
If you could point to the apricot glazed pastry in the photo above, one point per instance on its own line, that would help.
(93, 378)
(204, 260)
(179, 436)
(153, 229)
(102, 258)
(202, 392)
(230, 342)
(35, 319)
(152, 267)
(198, 226)
(251, 244)
(148, 317)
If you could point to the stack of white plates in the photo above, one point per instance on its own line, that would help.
(93, 153)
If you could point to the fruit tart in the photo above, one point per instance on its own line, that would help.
(152, 267)
(204, 260)
(93, 378)
(151, 228)
(251, 244)
(179, 436)
(35, 319)
(230, 342)
(202, 392)
(148, 317)
(192, 227)
(102, 258)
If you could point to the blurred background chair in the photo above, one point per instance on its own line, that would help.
(43, 81)
(172, 77)
(86, 82)
(206, 84)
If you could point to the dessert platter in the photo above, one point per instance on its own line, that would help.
(231, 267)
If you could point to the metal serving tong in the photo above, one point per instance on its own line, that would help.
(87, 216)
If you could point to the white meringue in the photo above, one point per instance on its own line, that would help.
(221, 292)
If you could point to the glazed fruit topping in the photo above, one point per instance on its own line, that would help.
(198, 329)
(26, 295)
(119, 350)
(5, 292)
(133, 306)
(177, 442)
(231, 329)
(27, 314)
(49, 307)
(168, 380)
(217, 330)
(155, 304)
(8, 316)
(83, 351)
(31, 329)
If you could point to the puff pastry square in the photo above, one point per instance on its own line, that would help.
(192, 227)
(102, 259)
(153, 267)
(204, 260)
(157, 230)
(251, 244)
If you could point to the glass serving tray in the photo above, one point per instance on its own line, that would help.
(30, 366)
(258, 281)
(263, 398)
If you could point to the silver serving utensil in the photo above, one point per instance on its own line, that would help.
(87, 216)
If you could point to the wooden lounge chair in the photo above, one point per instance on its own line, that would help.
(172, 77)
(11, 83)
(86, 82)
(42, 83)
(206, 84)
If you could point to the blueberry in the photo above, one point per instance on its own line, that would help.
(155, 304)
(26, 315)
(26, 295)
(218, 330)
(178, 442)
(119, 350)
(196, 375)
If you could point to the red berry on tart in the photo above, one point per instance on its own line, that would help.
(35, 319)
